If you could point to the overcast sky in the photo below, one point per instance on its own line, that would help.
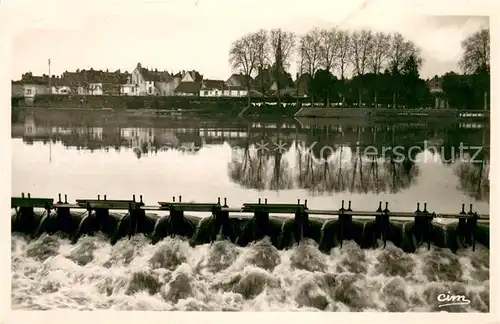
(196, 34)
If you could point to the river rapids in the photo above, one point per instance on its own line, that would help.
(50, 273)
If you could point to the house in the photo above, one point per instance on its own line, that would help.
(234, 91)
(188, 89)
(95, 82)
(59, 86)
(76, 82)
(191, 76)
(150, 82)
(110, 89)
(129, 88)
(166, 88)
(211, 88)
(435, 84)
(106, 83)
(95, 89)
(190, 84)
(236, 86)
(35, 85)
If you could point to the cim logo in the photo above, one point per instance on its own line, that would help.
(449, 300)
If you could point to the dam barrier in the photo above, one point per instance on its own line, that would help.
(119, 219)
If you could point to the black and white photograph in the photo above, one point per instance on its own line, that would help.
(248, 156)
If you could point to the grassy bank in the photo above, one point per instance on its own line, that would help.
(165, 105)
(390, 114)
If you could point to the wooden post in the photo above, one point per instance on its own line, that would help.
(345, 225)
(302, 229)
(422, 225)
(63, 218)
(382, 222)
(221, 223)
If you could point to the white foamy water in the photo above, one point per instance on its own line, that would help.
(50, 273)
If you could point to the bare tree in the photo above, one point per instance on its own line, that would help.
(476, 56)
(243, 57)
(343, 52)
(261, 41)
(361, 48)
(282, 44)
(344, 45)
(476, 52)
(401, 50)
(310, 53)
(380, 53)
(329, 49)
(299, 76)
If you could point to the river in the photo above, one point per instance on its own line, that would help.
(324, 162)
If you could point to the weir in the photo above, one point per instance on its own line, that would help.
(250, 222)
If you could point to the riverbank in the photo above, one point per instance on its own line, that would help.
(388, 113)
(155, 106)
(163, 105)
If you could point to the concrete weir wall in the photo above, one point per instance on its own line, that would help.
(283, 232)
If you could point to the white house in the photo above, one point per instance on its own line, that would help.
(33, 89)
(129, 88)
(234, 91)
(61, 89)
(59, 86)
(212, 88)
(147, 80)
(81, 90)
(95, 89)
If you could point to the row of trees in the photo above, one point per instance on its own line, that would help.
(384, 68)
(330, 53)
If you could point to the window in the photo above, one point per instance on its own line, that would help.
(215, 92)
(205, 93)
(150, 90)
(28, 91)
(133, 89)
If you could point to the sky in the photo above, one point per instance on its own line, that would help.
(176, 35)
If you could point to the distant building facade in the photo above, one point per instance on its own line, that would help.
(149, 82)
(188, 89)
(235, 86)
(211, 88)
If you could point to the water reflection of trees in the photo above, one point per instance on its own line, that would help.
(346, 170)
(258, 169)
(473, 178)
(334, 170)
